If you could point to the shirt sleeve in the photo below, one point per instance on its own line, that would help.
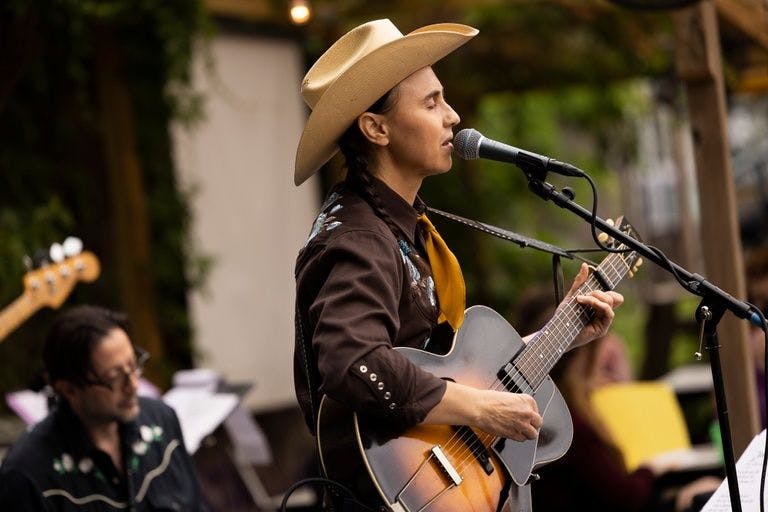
(356, 318)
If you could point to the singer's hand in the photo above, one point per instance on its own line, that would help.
(511, 415)
(603, 303)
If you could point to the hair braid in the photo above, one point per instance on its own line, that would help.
(356, 151)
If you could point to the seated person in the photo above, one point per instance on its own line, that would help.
(592, 473)
(102, 447)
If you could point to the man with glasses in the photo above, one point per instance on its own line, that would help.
(102, 447)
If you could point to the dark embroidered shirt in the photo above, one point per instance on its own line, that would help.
(55, 466)
(362, 290)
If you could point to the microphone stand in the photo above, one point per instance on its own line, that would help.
(713, 305)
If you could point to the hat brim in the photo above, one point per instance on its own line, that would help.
(366, 81)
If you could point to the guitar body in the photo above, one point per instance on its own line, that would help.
(470, 471)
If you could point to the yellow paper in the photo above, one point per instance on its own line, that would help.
(644, 419)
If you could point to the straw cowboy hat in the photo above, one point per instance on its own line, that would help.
(356, 71)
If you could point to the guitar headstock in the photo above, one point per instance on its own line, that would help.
(52, 283)
(631, 259)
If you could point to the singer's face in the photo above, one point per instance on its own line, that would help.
(420, 126)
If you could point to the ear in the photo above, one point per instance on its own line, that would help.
(66, 389)
(373, 128)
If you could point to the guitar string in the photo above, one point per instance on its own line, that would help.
(465, 454)
(569, 308)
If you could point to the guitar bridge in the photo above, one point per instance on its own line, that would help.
(446, 465)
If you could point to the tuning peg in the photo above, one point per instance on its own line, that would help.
(56, 252)
(27, 262)
(638, 262)
(610, 222)
(602, 237)
(72, 246)
(631, 274)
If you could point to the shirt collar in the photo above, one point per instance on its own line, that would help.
(74, 431)
(404, 215)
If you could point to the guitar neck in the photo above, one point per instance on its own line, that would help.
(15, 314)
(552, 341)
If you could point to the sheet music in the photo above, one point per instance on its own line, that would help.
(200, 411)
(748, 469)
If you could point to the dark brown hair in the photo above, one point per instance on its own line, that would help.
(72, 339)
(357, 155)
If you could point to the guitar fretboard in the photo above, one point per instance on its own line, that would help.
(552, 341)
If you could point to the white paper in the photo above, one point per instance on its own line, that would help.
(200, 411)
(30, 406)
(696, 458)
(748, 470)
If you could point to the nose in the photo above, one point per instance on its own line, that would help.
(452, 118)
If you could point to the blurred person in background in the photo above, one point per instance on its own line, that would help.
(102, 447)
(592, 473)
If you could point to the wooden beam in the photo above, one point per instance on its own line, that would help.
(748, 17)
(132, 261)
(753, 80)
(698, 63)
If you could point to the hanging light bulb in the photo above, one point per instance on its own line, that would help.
(300, 11)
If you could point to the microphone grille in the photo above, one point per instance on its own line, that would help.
(466, 144)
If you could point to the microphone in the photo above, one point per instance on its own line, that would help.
(470, 144)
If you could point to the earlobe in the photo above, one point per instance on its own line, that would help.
(65, 389)
(373, 128)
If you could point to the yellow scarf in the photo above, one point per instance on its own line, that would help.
(446, 272)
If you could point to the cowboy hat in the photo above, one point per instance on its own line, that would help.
(357, 70)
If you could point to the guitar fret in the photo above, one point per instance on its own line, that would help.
(547, 347)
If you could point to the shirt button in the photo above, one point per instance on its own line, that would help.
(392, 405)
(374, 377)
(380, 385)
(363, 368)
(387, 395)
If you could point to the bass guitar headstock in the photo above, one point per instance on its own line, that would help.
(51, 283)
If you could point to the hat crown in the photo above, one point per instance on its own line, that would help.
(350, 48)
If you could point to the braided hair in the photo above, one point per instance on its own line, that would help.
(357, 155)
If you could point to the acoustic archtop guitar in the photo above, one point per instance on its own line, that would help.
(50, 284)
(457, 468)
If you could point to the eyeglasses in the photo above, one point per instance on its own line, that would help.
(118, 377)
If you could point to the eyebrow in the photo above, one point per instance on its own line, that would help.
(433, 94)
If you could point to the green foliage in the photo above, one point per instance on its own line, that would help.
(582, 125)
(53, 181)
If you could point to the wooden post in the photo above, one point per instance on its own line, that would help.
(699, 66)
(133, 266)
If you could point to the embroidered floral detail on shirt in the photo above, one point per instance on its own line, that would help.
(425, 285)
(64, 465)
(326, 220)
(85, 465)
(430, 284)
(149, 434)
(139, 447)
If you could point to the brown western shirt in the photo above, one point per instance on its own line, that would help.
(360, 291)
